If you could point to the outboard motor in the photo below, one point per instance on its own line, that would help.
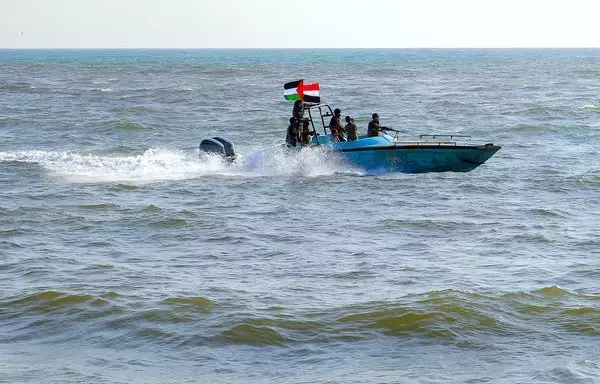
(219, 146)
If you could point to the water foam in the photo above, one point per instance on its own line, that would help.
(279, 161)
(161, 164)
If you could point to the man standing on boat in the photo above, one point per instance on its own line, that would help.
(351, 130)
(293, 133)
(305, 136)
(374, 126)
(335, 126)
(298, 111)
(297, 115)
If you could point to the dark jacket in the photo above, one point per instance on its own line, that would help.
(374, 128)
(291, 139)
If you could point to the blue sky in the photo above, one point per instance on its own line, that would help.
(298, 24)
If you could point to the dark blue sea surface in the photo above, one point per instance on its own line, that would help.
(126, 258)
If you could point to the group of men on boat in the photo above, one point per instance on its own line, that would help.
(295, 133)
(298, 132)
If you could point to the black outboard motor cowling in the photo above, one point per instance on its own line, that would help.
(228, 145)
(219, 146)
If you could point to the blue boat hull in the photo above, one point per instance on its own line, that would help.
(420, 159)
(385, 154)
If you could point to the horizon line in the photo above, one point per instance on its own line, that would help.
(284, 48)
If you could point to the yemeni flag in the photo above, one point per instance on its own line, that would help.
(310, 93)
(293, 90)
(297, 90)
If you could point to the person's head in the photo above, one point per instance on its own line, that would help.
(306, 122)
(337, 112)
(292, 120)
(375, 117)
(297, 103)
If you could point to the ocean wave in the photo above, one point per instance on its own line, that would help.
(12, 232)
(447, 316)
(194, 303)
(215, 70)
(249, 334)
(10, 245)
(591, 107)
(157, 316)
(131, 126)
(428, 224)
(546, 128)
(151, 208)
(169, 223)
(5, 121)
(588, 179)
(125, 187)
(47, 301)
(99, 206)
(134, 109)
(16, 87)
(523, 128)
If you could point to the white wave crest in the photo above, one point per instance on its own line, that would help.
(159, 164)
(103, 89)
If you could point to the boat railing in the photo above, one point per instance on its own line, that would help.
(427, 143)
(451, 137)
(324, 111)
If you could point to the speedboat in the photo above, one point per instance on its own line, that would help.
(430, 153)
(384, 153)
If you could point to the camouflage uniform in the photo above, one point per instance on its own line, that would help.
(335, 126)
(298, 111)
(305, 135)
(351, 131)
(292, 136)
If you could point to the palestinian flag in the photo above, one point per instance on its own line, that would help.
(293, 90)
(297, 90)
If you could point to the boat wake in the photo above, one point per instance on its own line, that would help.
(307, 162)
(162, 164)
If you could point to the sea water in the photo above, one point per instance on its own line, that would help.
(127, 258)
